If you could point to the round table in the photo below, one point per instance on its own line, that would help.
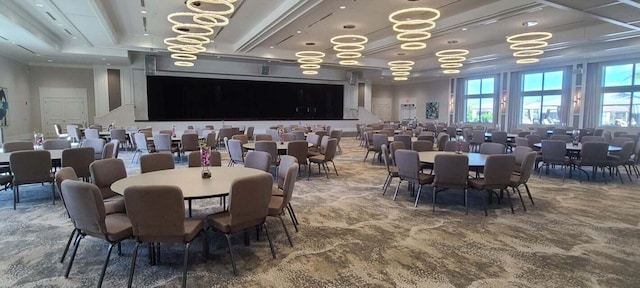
(55, 155)
(571, 147)
(391, 139)
(281, 146)
(193, 186)
(475, 159)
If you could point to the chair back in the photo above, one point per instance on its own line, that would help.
(85, 206)
(405, 139)
(561, 137)
(234, 147)
(619, 133)
(499, 137)
(58, 129)
(594, 153)
(155, 162)
(521, 141)
(243, 138)
(524, 134)
(215, 158)
(286, 162)
(162, 143)
(330, 152)
(554, 151)
(492, 148)
(288, 137)
(266, 137)
(189, 142)
(270, 147)
(620, 140)
(442, 141)
(386, 158)
(30, 166)
(498, 170)
(624, 154)
(394, 146)
(108, 150)
(91, 133)
(249, 201)
(478, 136)
(106, 171)
(598, 132)
(526, 167)
(422, 145)
(79, 159)
(116, 144)
(140, 141)
(533, 139)
(225, 132)
(520, 152)
(451, 170)
(452, 145)
(194, 159)
(452, 131)
(298, 135)
(408, 163)
(12, 146)
(212, 140)
(119, 134)
(97, 127)
(542, 132)
(379, 139)
(55, 144)
(291, 174)
(258, 160)
(156, 212)
(249, 132)
(592, 139)
(64, 174)
(96, 144)
(299, 150)
(559, 131)
(426, 137)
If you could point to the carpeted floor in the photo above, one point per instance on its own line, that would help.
(576, 235)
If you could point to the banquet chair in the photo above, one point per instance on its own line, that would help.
(108, 151)
(452, 131)
(328, 156)
(520, 152)
(142, 146)
(120, 135)
(262, 137)
(607, 137)
(368, 145)
(234, 148)
(224, 132)
(450, 172)
(496, 176)
(249, 199)
(104, 173)
(499, 137)
(194, 160)
(378, 140)
(533, 139)
(155, 162)
(59, 133)
(405, 139)
(258, 160)
(278, 203)
(393, 147)
(522, 177)
(30, 167)
(392, 170)
(96, 144)
(559, 131)
(79, 159)
(477, 139)
(189, 143)
(554, 153)
(91, 133)
(422, 145)
(542, 132)
(212, 140)
(157, 215)
(492, 148)
(620, 159)
(562, 137)
(61, 175)
(286, 137)
(56, 144)
(593, 154)
(442, 140)
(299, 150)
(87, 211)
(522, 141)
(215, 159)
(116, 151)
(286, 161)
(426, 137)
(97, 127)
(299, 135)
(452, 146)
(408, 164)
(162, 144)
(270, 147)
(12, 146)
(592, 139)
(249, 133)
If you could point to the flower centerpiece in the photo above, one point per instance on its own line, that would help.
(459, 145)
(37, 137)
(205, 153)
(281, 135)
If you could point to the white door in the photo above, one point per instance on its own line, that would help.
(62, 106)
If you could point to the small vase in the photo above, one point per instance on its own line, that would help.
(206, 174)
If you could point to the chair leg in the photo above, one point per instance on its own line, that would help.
(293, 213)
(233, 263)
(186, 263)
(285, 230)
(326, 169)
(66, 248)
(106, 262)
(418, 196)
(133, 263)
(53, 192)
(529, 193)
(295, 226)
(365, 156)
(485, 200)
(397, 187)
(336, 170)
(509, 200)
(521, 199)
(386, 184)
(15, 195)
(266, 230)
(466, 201)
(205, 245)
(76, 243)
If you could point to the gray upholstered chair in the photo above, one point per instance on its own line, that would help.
(286, 137)
(194, 160)
(452, 146)
(78, 159)
(521, 178)
(116, 144)
(522, 141)
(120, 135)
(562, 137)
(61, 175)
(270, 147)
(263, 137)
(405, 139)
(278, 203)
(236, 155)
(497, 175)
(378, 140)
(108, 150)
(189, 144)
(408, 164)
(224, 132)
(157, 215)
(286, 161)
(620, 159)
(215, 158)
(299, 150)
(450, 172)
(392, 170)
(554, 153)
(299, 135)
(59, 133)
(593, 154)
(542, 132)
(422, 145)
(96, 144)
(155, 162)
(212, 140)
(91, 133)
(163, 144)
(249, 133)
(559, 131)
(492, 148)
(104, 172)
(30, 167)
(87, 212)
(12, 146)
(533, 139)
(520, 152)
(328, 156)
(248, 208)
(499, 137)
(442, 140)
(592, 139)
(55, 144)
(429, 137)
(142, 146)
(258, 160)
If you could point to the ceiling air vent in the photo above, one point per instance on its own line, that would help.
(53, 18)
(5, 39)
(25, 48)
(68, 32)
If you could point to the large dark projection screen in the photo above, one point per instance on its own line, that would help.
(183, 98)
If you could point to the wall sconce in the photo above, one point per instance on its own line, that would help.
(576, 98)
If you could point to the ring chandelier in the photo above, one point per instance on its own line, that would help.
(527, 45)
(310, 61)
(400, 69)
(412, 25)
(348, 48)
(194, 28)
(452, 60)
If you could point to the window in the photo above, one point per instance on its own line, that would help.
(479, 96)
(620, 95)
(542, 97)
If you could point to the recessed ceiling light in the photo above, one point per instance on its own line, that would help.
(143, 12)
(38, 55)
(342, 7)
(60, 24)
(108, 64)
(39, 5)
(146, 34)
(104, 59)
(49, 60)
(529, 23)
(271, 47)
(74, 37)
(298, 31)
(464, 29)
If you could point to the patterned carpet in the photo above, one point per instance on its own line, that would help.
(576, 235)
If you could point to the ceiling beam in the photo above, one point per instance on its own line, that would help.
(630, 3)
(20, 18)
(555, 4)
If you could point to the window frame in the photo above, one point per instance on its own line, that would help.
(633, 90)
(542, 93)
(480, 96)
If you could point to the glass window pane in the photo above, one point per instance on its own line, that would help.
(618, 75)
(635, 110)
(486, 110)
(533, 82)
(531, 109)
(553, 80)
(550, 114)
(616, 98)
(637, 78)
(473, 87)
(487, 86)
(473, 110)
(615, 115)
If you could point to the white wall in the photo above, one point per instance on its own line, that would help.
(418, 94)
(15, 77)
